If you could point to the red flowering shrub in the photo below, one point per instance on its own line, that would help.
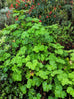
(47, 11)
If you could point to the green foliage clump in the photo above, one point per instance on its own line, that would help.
(33, 63)
(63, 34)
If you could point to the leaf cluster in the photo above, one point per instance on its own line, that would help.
(32, 62)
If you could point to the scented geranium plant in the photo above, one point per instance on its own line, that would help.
(32, 64)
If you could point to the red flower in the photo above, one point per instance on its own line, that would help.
(50, 13)
(16, 19)
(32, 8)
(46, 16)
(40, 21)
(39, 16)
(17, 5)
(25, 5)
(11, 6)
(55, 8)
(33, 5)
(38, 3)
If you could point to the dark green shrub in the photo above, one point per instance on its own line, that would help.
(32, 63)
(63, 34)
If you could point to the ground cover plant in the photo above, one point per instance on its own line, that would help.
(32, 64)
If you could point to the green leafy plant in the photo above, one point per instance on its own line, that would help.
(33, 63)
